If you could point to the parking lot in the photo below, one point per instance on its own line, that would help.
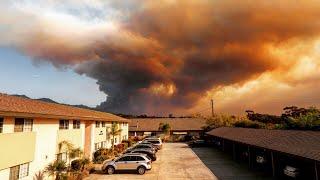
(174, 161)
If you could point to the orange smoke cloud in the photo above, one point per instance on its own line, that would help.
(167, 55)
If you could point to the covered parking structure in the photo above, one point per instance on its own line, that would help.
(281, 153)
(179, 127)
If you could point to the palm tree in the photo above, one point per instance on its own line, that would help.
(56, 169)
(39, 176)
(75, 152)
(114, 130)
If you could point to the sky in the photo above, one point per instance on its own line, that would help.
(163, 57)
(19, 75)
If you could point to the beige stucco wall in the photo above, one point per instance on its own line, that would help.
(4, 174)
(40, 146)
(46, 137)
(16, 148)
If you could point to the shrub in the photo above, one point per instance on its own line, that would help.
(76, 165)
(101, 155)
(249, 124)
(129, 142)
(119, 147)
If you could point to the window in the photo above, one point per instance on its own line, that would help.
(18, 125)
(28, 125)
(1, 125)
(126, 158)
(97, 146)
(103, 124)
(97, 124)
(20, 171)
(139, 158)
(62, 157)
(23, 125)
(115, 140)
(64, 124)
(76, 124)
(124, 137)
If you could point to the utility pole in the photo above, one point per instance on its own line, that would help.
(212, 112)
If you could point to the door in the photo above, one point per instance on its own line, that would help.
(122, 163)
(134, 162)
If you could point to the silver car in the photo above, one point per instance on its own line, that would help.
(131, 161)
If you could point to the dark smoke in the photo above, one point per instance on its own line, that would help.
(192, 46)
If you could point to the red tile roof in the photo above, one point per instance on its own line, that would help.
(176, 124)
(300, 143)
(23, 107)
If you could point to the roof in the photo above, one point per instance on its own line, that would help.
(176, 124)
(300, 143)
(23, 107)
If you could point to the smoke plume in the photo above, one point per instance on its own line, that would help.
(159, 56)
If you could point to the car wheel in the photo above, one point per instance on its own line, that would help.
(141, 170)
(110, 170)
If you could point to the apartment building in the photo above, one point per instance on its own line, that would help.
(31, 131)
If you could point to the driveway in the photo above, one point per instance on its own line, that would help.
(223, 166)
(174, 161)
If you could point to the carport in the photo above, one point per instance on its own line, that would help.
(274, 152)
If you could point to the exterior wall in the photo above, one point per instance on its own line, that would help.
(40, 146)
(124, 132)
(16, 148)
(5, 174)
(89, 133)
(100, 133)
(46, 138)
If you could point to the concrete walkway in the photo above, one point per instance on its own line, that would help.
(223, 166)
(175, 161)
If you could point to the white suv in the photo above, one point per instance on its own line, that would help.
(155, 141)
(132, 161)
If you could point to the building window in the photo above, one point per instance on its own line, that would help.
(97, 146)
(97, 124)
(76, 124)
(28, 123)
(103, 124)
(23, 125)
(1, 125)
(62, 157)
(20, 171)
(115, 140)
(64, 124)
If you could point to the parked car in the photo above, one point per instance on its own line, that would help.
(149, 143)
(291, 171)
(145, 146)
(150, 154)
(198, 143)
(132, 161)
(155, 141)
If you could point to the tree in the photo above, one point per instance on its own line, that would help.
(56, 169)
(114, 130)
(165, 128)
(39, 176)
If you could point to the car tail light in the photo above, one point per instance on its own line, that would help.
(149, 162)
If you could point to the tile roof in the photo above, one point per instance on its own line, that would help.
(300, 143)
(176, 124)
(23, 107)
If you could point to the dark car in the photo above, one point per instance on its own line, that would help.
(145, 146)
(150, 154)
(198, 143)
